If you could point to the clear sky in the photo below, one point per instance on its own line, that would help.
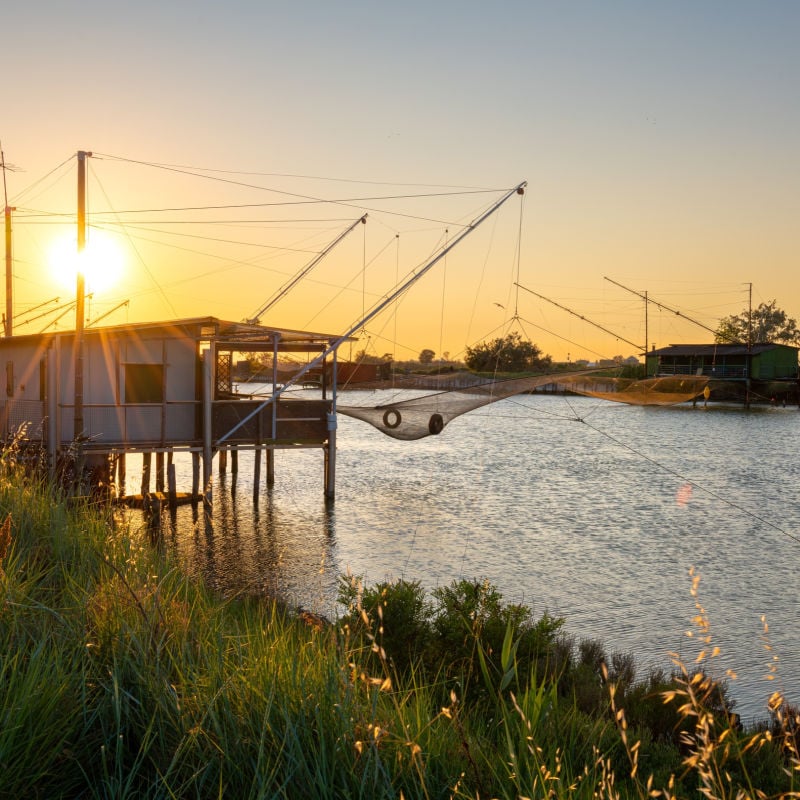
(659, 142)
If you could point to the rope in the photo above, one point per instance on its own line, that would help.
(694, 484)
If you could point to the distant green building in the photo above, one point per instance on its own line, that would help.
(759, 362)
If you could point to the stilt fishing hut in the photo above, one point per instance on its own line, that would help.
(94, 395)
(158, 388)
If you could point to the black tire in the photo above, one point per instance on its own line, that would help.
(392, 418)
(436, 424)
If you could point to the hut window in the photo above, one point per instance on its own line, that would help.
(144, 383)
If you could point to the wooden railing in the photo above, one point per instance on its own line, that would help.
(299, 421)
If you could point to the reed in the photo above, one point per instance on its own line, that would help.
(120, 678)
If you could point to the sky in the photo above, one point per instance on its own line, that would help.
(231, 143)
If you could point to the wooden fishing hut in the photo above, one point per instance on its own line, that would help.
(158, 388)
(762, 361)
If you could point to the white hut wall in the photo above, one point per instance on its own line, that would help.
(22, 404)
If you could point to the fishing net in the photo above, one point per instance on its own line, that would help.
(428, 415)
(665, 391)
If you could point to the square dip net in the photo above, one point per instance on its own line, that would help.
(428, 415)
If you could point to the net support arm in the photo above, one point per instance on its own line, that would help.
(378, 307)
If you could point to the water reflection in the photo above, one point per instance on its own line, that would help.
(591, 519)
(282, 544)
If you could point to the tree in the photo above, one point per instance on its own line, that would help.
(768, 324)
(510, 353)
(362, 357)
(426, 356)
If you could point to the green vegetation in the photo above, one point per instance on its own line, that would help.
(510, 353)
(767, 323)
(122, 679)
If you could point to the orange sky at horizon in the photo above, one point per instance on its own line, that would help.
(659, 146)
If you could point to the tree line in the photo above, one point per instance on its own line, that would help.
(768, 323)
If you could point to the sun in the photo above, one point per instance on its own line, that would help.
(101, 262)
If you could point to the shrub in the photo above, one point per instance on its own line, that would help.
(396, 614)
(446, 635)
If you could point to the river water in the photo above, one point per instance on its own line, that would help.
(590, 510)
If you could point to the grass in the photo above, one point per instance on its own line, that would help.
(120, 678)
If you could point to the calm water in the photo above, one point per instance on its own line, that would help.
(590, 510)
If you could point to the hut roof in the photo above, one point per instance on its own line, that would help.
(717, 349)
(237, 336)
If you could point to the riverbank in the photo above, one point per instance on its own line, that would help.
(122, 678)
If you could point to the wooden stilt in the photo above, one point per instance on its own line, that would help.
(270, 466)
(256, 473)
(146, 464)
(330, 451)
(159, 472)
(121, 475)
(173, 489)
(234, 460)
(152, 510)
(208, 451)
(195, 475)
(223, 462)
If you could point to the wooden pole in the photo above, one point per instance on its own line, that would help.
(52, 410)
(270, 466)
(195, 475)
(748, 382)
(208, 453)
(160, 472)
(146, 464)
(9, 321)
(330, 450)
(80, 294)
(257, 461)
(121, 474)
(171, 483)
(256, 473)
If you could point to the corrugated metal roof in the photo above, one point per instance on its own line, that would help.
(198, 328)
(717, 349)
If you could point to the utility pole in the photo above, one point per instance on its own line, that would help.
(79, 298)
(646, 337)
(749, 343)
(8, 321)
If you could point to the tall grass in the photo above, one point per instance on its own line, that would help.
(120, 678)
